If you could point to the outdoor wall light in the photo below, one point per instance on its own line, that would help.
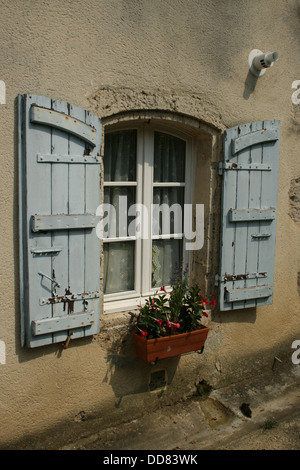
(258, 61)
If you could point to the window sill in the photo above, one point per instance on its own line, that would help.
(131, 303)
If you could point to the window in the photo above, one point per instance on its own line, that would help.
(145, 165)
(147, 182)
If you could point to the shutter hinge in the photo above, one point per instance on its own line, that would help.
(238, 277)
(246, 166)
(68, 297)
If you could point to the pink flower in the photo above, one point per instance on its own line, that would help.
(199, 293)
(163, 289)
(170, 324)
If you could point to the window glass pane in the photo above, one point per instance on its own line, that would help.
(166, 256)
(120, 156)
(117, 201)
(168, 206)
(118, 267)
(169, 158)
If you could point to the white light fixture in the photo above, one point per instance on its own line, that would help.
(258, 61)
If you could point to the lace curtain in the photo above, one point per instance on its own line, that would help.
(169, 167)
(120, 166)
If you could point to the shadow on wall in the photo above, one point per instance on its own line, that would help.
(235, 316)
(250, 84)
(129, 375)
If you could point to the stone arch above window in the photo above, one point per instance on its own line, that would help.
(191, 109)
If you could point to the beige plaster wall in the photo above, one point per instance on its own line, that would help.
(112, 57)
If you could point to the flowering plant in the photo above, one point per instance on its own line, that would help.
(166, 314)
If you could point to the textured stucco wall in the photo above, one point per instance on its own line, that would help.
(116, 56)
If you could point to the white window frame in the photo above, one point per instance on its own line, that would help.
(123, 301)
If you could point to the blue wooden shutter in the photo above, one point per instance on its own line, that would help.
(59, 188)
(248, 228)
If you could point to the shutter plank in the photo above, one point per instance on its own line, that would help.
(38, 182)
(256, 292)
(269, 189)
(77, 192)
(23, 240)
(61, 121)
(255, 137)
(242, 196)
(228, 239)
(254, 201)
(92, 248)
(60, 198)
(250, 215)
(58, 222)
(59, 323)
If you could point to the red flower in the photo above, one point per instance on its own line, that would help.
(169, 325)
(158, 321)
(204, 300)
(177, 325)
(205, 314)
(163, 289)
(213, 303)
(152, 303)
(144, 333)
(199, 293)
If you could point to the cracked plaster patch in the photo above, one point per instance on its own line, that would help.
(294, 195)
